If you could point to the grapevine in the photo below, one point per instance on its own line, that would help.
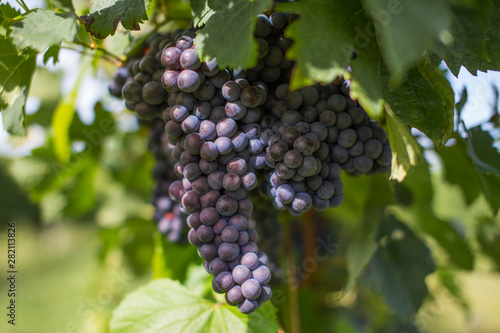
(229, 129)
(250, 165)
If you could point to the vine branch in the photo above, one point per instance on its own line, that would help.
(292, 289)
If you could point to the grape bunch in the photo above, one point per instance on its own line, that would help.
(314, 134)
(219, 134)
(170, 221)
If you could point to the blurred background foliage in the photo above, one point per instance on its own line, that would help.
(80, 200)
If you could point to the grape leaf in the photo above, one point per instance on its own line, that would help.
(491, 190)
(406, 28)
(170, 259)
(43, 28)
(201, 12)
(399, 267)
(479, 20)
(16, 71)
(361, 249)
(13, 117)
(106, 14)
(464, 176)
(468, 30)
(228, 34)
(406, 151)
(448, 278)
(165, 305)
(52, 52)
(118, 43)
(323, 38)
(425, 100)
(420, 185)
(366, 80)
(488, 237)
(447, 237)
(7, 12)
(480, 147)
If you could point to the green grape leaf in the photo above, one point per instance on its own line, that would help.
(366, 80)
(169, 259)
(474, 63)
(485, 156)
(118, 43)
(105, 15)
(201, 12)
(407, 28)
(464, 176)
(399, 267)
(165, 305)
(361, 249)
(52, 52)
(488, 237)
(406, 151)
(447, 237)
(448, 278)
(491, 190)
(468, 30)
(456, 246)
(323, 37)
(7, 13)
(43, 28)
(16, 71)
(477, 43)
(13, 117)
(425, 101)
(228, 33)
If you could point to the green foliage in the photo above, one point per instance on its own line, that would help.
(406, 151)
(457, 247)
(320, 21)
(166, 305)
(465, 176)
(388, 234)
(480, 147)
(15, 77)
(425, 101)
(488, 236)
(169, 260)
(364, 245)
(395, 22)
(228, 34)
(399, 267)
(41, 29)
(105, 15)
(201, 12)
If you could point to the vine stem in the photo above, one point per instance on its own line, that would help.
(116, 59)
(292, 288)
(22, 4)
(112, 60)
(309, 233)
